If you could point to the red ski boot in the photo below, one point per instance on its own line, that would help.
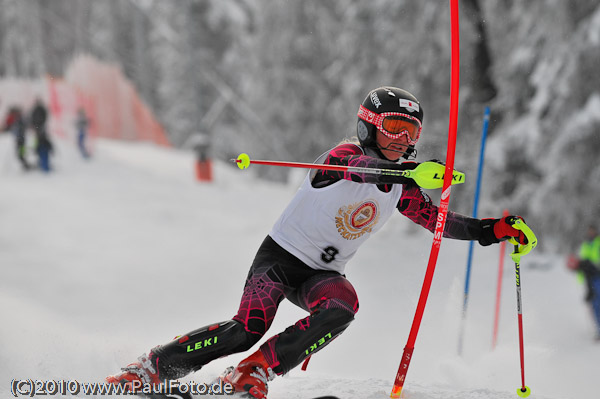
(251, 375)
(138, 373)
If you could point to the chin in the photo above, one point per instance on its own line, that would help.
(393, 158)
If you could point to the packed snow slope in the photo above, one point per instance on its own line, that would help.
(103, 259)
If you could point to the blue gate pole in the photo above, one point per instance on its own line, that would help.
(486, 120)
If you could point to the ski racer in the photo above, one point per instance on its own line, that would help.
(303, 258)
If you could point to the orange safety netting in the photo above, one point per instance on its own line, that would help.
(110, 101)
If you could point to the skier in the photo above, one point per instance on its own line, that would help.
(304, 256)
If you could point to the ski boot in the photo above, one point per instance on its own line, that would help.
(138, 373)
(251, 376)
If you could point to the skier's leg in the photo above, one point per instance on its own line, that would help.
(45, 160)
(21, 156)
(264, 289)
(332, 301)
(328, 294)
(81, 144)
(588, 270)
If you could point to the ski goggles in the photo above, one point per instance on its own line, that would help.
(393, 124)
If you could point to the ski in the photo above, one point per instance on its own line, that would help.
(184, 391)
(187, 395)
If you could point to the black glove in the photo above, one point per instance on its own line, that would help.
(388, 179)
(495, 230)
(408, 165)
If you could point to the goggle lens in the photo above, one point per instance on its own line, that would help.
(398, 126)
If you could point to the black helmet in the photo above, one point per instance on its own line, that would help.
(388, 103)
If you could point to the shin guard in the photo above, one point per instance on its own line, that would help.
(288, 349)
(188, 353)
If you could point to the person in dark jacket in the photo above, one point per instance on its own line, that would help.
(44, 146)
(38, 117)
(15, 123)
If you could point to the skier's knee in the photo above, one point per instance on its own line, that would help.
(337, 318)
(336, 292)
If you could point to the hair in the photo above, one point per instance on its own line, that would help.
(351, 140)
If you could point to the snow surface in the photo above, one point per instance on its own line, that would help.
(102, 260)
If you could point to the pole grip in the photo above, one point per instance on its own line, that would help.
(520, 249)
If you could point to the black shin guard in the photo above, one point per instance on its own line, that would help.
(190, 352)
(295, 344)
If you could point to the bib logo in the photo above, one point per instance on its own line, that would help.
(357, 219)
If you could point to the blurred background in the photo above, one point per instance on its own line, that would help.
(283, 80)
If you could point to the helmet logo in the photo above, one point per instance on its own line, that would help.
(362, 131)
(375, 99)
(411, 106)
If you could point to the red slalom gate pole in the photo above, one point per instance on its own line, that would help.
(443, 209)
(499, 289)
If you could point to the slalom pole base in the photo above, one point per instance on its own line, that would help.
(523, 392)
(396, 393)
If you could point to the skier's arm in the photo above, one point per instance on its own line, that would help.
(351, 155)
(417, 206)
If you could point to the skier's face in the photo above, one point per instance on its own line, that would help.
(392, 149)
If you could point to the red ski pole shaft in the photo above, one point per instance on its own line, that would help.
(518, 224)
(443, 209)
(339, 168)
(520, 322)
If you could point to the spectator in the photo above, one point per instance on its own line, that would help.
(44, 146)
(15, 123)
(38, 117)
(82, 124)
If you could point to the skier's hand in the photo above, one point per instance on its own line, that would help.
(408, 165)
(390, 179)
(496, 230)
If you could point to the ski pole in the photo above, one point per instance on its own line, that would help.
(521, 250)
(428, 175)
(444, 201)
